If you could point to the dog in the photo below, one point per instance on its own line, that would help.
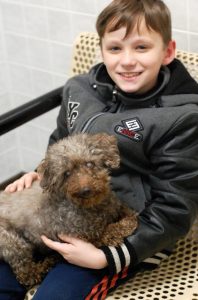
(73, 197)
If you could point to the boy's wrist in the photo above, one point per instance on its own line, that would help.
(101, 260)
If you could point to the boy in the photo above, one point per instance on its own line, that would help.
(145, 97)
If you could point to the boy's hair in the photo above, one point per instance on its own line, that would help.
(130, 13)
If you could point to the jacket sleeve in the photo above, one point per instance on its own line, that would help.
(174, 202)
(61, 130)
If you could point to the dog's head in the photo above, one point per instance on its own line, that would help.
(78, 166)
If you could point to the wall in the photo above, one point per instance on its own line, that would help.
(185, 23)
(8, 144)
(36, 39)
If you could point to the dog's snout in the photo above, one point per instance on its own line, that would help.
(84, 192)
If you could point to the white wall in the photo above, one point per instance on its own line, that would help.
(35, 52)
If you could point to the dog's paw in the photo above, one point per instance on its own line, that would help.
(116, 232)
(112, 241)
(35, 272)
(28, 280)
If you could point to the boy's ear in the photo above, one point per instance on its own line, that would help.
(169, 53)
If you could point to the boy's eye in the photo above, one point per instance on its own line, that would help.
(114, 49)
(141, 47)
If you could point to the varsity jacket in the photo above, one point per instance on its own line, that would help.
(157, 136)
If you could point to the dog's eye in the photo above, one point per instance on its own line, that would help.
(90, 164)
(67, 174)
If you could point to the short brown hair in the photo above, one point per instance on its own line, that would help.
(129, 13)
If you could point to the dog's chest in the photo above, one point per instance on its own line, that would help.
(79, 222)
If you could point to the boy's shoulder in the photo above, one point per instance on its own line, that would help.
(81, 80)
(180, 82)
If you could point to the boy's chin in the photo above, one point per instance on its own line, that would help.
(129, 89)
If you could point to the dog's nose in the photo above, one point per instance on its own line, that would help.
(85, 192)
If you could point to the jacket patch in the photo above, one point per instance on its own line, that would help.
(130, 128)
(72, 112)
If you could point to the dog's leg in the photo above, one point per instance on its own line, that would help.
(32, 273)
(115, 233)
(18, 254)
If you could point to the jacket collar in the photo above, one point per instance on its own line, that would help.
(100, 80)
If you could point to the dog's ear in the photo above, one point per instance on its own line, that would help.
(106, 145)
(47, 175)
(41, 168)
(43, 171)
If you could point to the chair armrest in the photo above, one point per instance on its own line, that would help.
(30, 110)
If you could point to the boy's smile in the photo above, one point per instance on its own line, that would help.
(133, 62)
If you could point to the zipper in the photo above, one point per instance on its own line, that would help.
(92, 119)
(89, 122)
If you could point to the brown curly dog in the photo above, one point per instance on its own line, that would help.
(73, 198)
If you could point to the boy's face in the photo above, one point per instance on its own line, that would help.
(133, 63)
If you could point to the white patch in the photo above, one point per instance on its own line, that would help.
(130, 128)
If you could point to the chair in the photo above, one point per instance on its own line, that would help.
(177, 277)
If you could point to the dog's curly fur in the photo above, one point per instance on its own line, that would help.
(73, 198)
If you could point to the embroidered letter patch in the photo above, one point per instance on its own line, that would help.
(130, 128)
(72, 112)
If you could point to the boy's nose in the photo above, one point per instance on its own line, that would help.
(128, 59)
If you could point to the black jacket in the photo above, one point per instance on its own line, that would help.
(158, 141)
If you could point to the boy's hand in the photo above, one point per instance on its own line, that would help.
(24, 182)
(78, 252)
